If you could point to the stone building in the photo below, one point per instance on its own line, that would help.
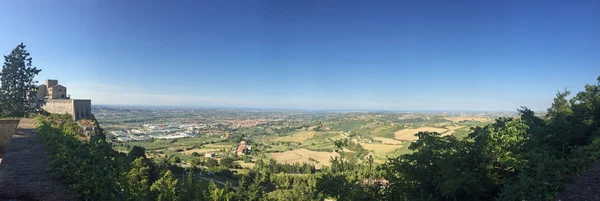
(57, 101)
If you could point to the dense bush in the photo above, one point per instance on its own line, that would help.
(91, 168)
(521, 158)
(525, 158)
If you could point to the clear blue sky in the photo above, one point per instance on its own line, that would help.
(395, 55)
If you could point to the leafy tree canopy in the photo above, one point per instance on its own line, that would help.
(17, 87)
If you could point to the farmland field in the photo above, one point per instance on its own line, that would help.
(388, 140)
(200, 151)
(298, 136)
(409, 134)
(303, 155)
(380, 149)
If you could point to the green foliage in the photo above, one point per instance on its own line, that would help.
(524, 158)
(136, 152)
(18, 90)
(211, 162)
(139, 178)
(165, 188)
(273, 167)
(91, 168)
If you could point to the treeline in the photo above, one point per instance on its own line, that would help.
(271, 166)
(522, 158)
(97, 172)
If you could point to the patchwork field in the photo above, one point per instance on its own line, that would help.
(409, 134)
(388, 141)
(299, 136)
(217, 146)
(380, 149)
(200, 151)
(451, 130)
(302, 156)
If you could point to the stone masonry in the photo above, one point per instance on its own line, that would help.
(7, 129)
(57, 101)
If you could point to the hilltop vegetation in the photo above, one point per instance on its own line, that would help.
(17, 87)
(372, 156)
(504, 160)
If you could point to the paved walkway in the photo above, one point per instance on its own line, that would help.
(23, 173)
(585, 187)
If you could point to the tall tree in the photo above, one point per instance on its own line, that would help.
(18, 90)
(139, 179)
(165, 188)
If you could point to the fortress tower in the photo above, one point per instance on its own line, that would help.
(57, 101)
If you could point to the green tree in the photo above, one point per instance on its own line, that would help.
(165, 188)
(250, 190)
(215, 193)
(135, 152)
(18, 90)
(211, 162)
(340, 145)
(139, 179)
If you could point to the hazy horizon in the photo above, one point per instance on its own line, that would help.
(126, 106)
(313, 55)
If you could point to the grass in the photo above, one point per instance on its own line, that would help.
(462, 132)
(398, 152)
(388, 141)
(387, 132)
(298, 136)
(278, 148)
(303, 155)
(183, 143)
(380, 149)
(409, 134)
(200, 151)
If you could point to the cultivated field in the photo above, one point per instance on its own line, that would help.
(451, 130)
(409, 134)
(302, 155)
(200, 151)
(388, 141)
(217, 146)
(380, 149)
(297, 137)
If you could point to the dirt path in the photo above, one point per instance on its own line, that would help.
(23, 170)
(585, 187)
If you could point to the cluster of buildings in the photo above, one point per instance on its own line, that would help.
(246, 123)
(150, 131)
(58, 101)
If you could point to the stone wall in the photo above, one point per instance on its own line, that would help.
(57, 92)
(51, 83)
(78, 108)
(42, 91)
(7, 130)
(83, 108)
(60, 106)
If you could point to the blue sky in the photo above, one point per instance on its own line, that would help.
(391, 55)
